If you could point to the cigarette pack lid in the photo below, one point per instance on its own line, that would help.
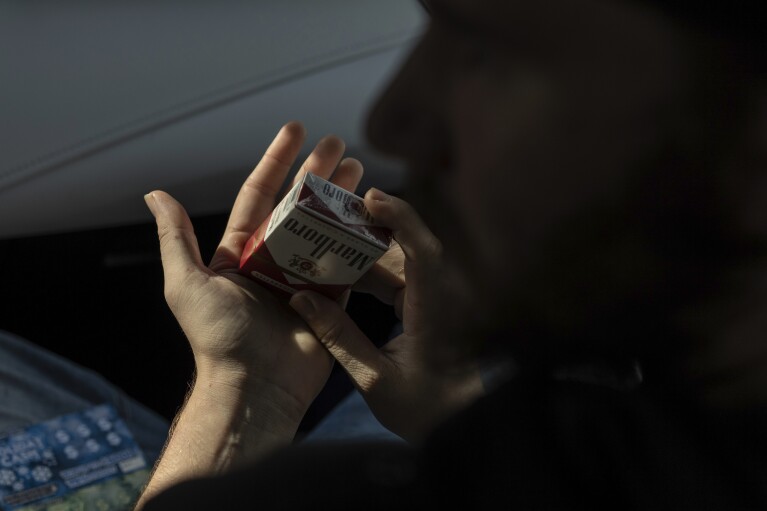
(347, 211)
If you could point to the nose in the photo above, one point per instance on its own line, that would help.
(407, 120)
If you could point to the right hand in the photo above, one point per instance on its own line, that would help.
(243, 339)
(406, 393)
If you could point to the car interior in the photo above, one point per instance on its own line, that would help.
(103, 102)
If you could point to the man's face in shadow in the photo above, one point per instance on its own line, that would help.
(526, 127)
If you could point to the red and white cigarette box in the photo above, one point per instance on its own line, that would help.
(319, 237)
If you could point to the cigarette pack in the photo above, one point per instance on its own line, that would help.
(319, 237)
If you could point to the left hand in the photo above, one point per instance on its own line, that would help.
(402, 383)
(243, 337)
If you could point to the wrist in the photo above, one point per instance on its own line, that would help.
(227, 428)
(222, 427)
(255, 403)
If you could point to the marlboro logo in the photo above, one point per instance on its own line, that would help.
(324, 243)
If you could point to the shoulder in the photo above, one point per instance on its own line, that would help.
(517, 444)
(556, 443)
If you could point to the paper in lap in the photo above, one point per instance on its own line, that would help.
(83, 460)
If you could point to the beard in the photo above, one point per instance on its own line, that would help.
(589, 294)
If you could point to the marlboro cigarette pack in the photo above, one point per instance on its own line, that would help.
(319, 237)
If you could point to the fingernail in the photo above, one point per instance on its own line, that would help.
(151, 203)
(302, 304)
(377, 195)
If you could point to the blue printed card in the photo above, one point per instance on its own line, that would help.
(86, 459)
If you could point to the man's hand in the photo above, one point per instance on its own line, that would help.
(241, 335)
(407, 393)
(258, 366)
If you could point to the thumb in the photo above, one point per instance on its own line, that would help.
(357, 354)
(178, 243)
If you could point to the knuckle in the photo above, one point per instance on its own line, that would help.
(401, 209)
(368, 379)
(333, 335)
(167, 234)
(276, 159)
(257, 185)
(433, 246)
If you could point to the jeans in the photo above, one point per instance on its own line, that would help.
(37, 385)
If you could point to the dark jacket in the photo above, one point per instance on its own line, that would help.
(530, 444)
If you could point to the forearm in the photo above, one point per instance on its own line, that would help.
(221, 427)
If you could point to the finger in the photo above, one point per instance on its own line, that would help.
(343, 300)
(178, 244)
(348, 174)
(410, 231)
(257, 195)
(422, 251)
(386, 278)
(323, 160)
(357, 354)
